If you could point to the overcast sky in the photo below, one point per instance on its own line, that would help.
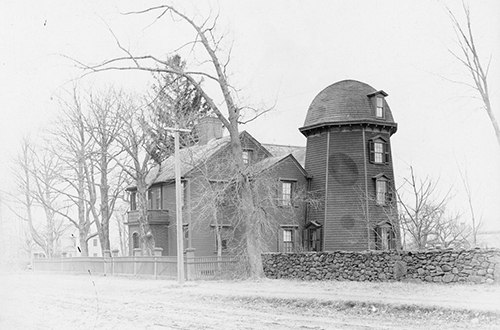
(283, 54)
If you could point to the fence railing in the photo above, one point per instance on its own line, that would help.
(164, 267)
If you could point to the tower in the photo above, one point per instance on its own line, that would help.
(348, 129)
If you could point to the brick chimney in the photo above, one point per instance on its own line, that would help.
(207, 129)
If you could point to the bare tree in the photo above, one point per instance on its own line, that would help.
(36, 176)
(136, 142)
(420, 209)
(104, 174)
(471, 60)
(72, 145)
(120, 216)
(476, 221)
(390, 238)
(218, 60)
(450, 232)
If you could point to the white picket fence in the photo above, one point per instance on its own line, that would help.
(158, 267)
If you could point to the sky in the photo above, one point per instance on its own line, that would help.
(283, 53)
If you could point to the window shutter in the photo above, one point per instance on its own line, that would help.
(295, 238)
(305, 239)
(279, 189)
(388, 197)
(392, 239)
(371, 151)
(320, 239)
(378, 237)
(387, 153)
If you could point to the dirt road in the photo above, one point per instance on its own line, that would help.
(50, 301)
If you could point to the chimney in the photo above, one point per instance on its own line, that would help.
(208, 128)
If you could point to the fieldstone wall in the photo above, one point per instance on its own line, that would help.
(477, 266)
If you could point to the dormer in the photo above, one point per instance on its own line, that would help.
(378, 101)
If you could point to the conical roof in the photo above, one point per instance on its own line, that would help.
(344, 102)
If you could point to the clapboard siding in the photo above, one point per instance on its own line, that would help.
(316, 166)
(345, 228)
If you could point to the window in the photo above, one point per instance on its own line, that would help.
(314, 239)
(386, 237)
(379, 151)
(183, 194)
(94, 255)
(94, 242)
(135, 240)
(150, 199)
(288, 239)
(286, 193)
(381, 191)
(185, 234)
(133, 201)
(247, 157)
(225, 236)
(154, 198)
(379, 107)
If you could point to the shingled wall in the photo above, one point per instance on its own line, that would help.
(446, 266)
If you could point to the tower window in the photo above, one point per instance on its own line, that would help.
(381, 191)
(385, 237)
(379, 107)
(379, 151)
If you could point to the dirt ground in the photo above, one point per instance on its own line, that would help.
(54, 301)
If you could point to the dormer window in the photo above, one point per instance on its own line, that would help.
(378, 103)
(379, 151)
(379, 112)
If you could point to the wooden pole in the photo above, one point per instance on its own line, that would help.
(178, 204)
(178, 208)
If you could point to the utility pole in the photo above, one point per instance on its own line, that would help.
(178, 204)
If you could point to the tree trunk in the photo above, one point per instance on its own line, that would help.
(145, 234)
(104, 188)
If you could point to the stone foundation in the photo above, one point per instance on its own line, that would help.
(446, 266)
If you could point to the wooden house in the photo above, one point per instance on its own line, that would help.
(346, 165)
(203, 166)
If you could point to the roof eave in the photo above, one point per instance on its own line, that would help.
(393, 127)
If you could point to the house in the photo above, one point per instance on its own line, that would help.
(346, 165)
(69, 245)
(203, 170)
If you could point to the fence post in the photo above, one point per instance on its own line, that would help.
(114, 254)
(136, 253)
(156, 267)
(191, 266)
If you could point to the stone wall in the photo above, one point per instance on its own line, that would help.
(478, 266)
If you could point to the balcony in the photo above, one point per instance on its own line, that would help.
(154, 217)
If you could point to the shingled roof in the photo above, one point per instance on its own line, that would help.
(193, 156)
(190, 158)
(343, 102)
(277, 150)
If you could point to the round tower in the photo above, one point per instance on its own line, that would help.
(348, 129)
